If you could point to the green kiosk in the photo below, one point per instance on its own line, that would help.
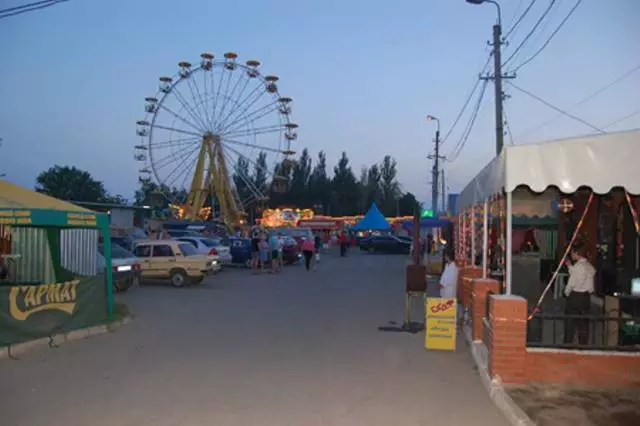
(50, 281)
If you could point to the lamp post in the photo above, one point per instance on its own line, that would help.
(497, 71)
(436, 159)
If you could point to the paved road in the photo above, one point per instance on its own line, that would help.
(291, 349)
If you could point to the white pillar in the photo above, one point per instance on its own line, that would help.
(473, 235)
(509, 243)
(485, 238)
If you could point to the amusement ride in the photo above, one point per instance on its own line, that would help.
(206, 126)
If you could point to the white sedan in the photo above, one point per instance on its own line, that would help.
(210, 247)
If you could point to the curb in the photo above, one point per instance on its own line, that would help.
(502, 400)
(14, 351)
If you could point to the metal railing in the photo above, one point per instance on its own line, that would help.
(591, 332)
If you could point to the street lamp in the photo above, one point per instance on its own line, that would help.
(436, 159)
(489, 1)
(497, 73)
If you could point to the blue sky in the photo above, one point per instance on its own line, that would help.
(363, 75)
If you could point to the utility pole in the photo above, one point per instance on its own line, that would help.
(443, 193)
(436, 165)
(497, 74)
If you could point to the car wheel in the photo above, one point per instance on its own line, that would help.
(178, 278)
(371, 249)
(248, 264)
(126, 284)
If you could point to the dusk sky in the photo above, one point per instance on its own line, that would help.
(362, 74)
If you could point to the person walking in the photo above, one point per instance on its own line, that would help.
(308, 248)
(255, 251)
(273, 250)
(578, 291)
(318, 244)
(342, 240)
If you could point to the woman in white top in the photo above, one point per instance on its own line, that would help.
(578, 292)
(449, 277)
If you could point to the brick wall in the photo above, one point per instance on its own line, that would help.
(465, 281)
(480, 287)
(505, 338)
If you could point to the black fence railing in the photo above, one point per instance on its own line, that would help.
(589, 332)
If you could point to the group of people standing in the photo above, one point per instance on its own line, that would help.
(266, 250)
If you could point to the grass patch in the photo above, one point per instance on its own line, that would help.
(120, 311)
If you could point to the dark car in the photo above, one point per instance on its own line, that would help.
(385, 244)
(240, 251)
(125, 242)
(291, 252)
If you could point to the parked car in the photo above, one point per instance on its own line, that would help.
(210, 247)
(291, 251)
(296, 233)
(125, 267)
(240, 249)
(175, 260)
(385, 244)
(126, 242)
(179, 233)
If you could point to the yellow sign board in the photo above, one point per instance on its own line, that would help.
(81, 219)
(440, 323)
(15, 217)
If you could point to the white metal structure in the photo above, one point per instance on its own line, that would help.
(600, 162)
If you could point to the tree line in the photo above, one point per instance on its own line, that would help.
(305, 183)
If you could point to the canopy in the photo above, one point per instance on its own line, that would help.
(427, 222)
(600, 162)
(373, 220)
(21, 206)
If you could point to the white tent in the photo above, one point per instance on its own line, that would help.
(600, 162)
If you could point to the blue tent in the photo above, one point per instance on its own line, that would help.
(373, 220)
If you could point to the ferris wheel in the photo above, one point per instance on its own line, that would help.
(206, 127)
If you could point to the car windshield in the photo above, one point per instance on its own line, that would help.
(187, 249)
(210, 242)
(117, 252)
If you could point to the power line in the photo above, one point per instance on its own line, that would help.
(30, 7)
(524, 14)
(553, 34)
(507, 126)
(621, 119)
(533, 30)
(474, 115)
(585, 99)
(539, 99)
(466, 103)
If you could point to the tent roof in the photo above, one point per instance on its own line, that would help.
(13, 196)
(600, 162)
(373, 220)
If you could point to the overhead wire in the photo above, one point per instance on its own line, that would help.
(621, 119)
(539, 99)
(465, 135)
(30, 7)
(466, 102)
(524, 14)
(553, 34)
(585, 99)
(531, 32)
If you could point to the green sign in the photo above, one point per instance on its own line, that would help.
(32, 311)
(426, 213)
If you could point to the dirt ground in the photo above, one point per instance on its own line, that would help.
(559, 406)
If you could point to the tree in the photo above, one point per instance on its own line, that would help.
(71, 184)
(389, 186)
(259, 177)
(300, 175)
(319, 184)
(242, 179)
(407, 204)
(345, 191)
(373, 192)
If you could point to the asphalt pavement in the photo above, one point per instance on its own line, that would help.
(296, 348)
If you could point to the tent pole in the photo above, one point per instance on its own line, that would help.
(509, 226)
(485, 238)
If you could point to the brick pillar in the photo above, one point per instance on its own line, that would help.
(481, 286)
(507, 338)
(465, 282)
